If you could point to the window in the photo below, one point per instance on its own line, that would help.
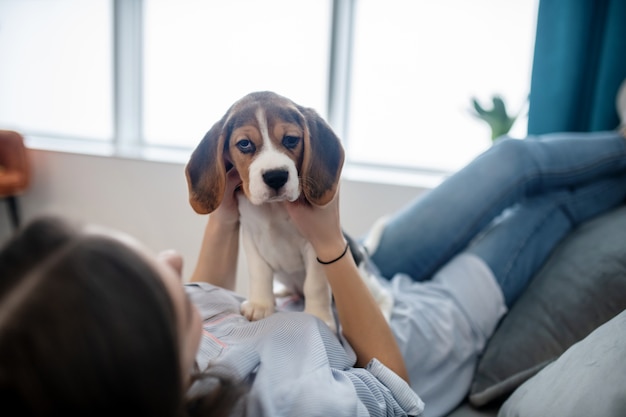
(394, 77)
(416, 66)
(56, 73)
(200, 56)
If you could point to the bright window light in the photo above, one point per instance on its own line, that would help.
(56, 71)
(201, 56)
(403, 74)
(416, 66)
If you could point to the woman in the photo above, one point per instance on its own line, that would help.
(90, 322)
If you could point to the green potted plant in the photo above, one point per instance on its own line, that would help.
(497, 117)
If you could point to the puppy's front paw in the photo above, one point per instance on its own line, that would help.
(254, 311)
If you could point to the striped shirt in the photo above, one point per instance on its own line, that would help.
(296, 366)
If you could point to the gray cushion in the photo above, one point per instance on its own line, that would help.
(581, 286)
(589, 379)
(466, 410)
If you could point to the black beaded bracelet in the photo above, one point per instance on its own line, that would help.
(337, 258)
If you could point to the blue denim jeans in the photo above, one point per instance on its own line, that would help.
(510, 206)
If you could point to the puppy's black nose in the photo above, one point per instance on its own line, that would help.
(275, 178)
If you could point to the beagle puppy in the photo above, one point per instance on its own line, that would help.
(282, 152)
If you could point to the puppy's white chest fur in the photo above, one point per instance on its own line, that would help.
(276, 250)
(267, 230)
(281, 151)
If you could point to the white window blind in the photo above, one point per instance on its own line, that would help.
(394, 77)
(201, 56)
(416, 66)
(56, 72)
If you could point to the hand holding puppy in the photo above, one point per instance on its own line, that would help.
(319, 225)
(227, 213)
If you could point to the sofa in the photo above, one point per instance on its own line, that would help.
(561, 349)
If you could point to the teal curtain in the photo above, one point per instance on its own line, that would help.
(578, 66)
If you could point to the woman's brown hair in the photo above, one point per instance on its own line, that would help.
(86, 326)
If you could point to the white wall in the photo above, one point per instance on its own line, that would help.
(149, 200)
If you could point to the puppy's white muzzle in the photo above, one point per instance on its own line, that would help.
(273, 177)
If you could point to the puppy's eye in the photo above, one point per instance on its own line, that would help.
(291, 142)
(245, 146)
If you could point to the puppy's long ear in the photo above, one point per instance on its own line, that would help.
(322, 162)
(206, 171)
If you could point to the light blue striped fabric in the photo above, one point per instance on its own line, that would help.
(297, 366)
(442, 326)
(294, 364)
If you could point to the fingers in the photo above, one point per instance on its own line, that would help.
(299, 210)
(173, 259)
(319, 225)
(227, 212)
(233, 181)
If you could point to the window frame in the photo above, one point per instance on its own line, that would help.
(129, 139)
(128, 135)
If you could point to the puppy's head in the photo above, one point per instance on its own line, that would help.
(279, 148)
